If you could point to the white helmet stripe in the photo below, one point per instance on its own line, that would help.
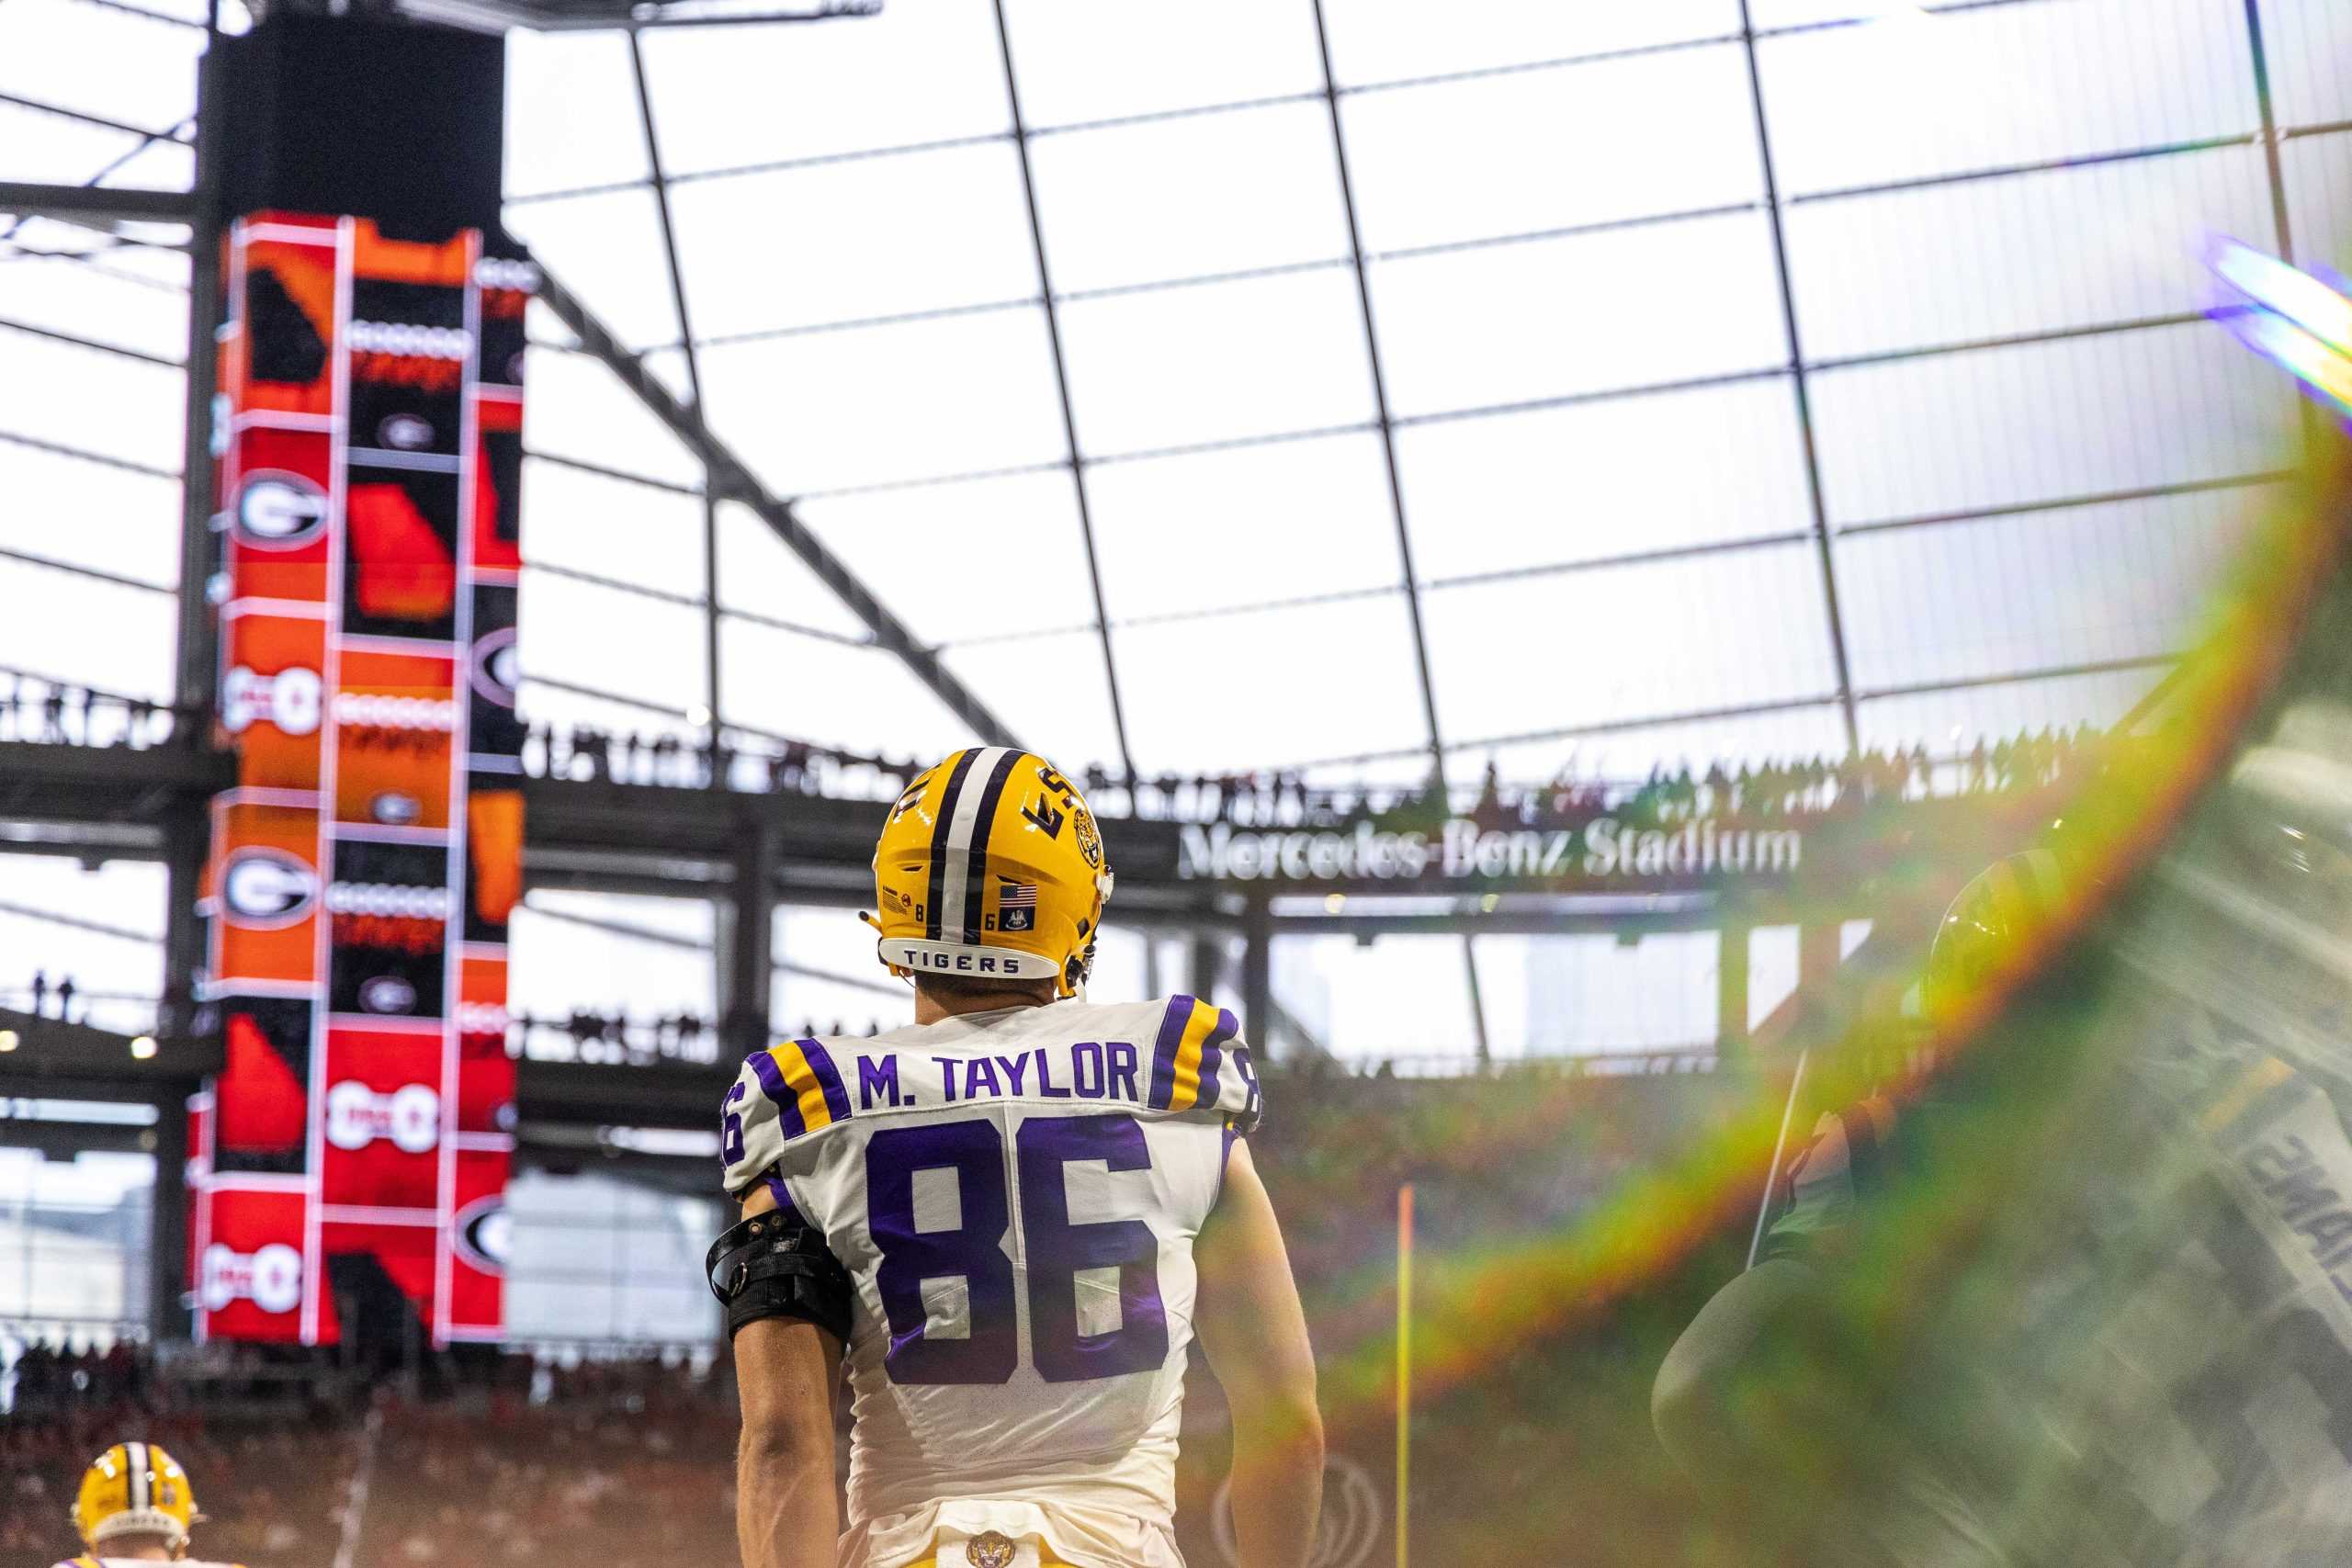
(964, 816)
(136, 1457)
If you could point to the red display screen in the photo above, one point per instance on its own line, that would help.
(352, 1152)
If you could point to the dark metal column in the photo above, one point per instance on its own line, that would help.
(2279, 223)
(1803, 391)
(168, 1317)
(1208, 964)
(1061, 385)
(195, 676)
(746, 929)
(1258, 971)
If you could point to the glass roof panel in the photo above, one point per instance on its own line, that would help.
(1079, 60)
(623, 644)
(1939, 266)
(845, 241)
(2036, 424)
(1178, 366)
(576, 408)
(103, 307)
(565, 710)
(1185, 198)
(572, 116)
(1216, 531)
(810, 689)
(1272, 688)
(2049, 589)
(1473, 329)
(834, 411)
(99, 61)
(633, 533)
(1630, 642)
(608, 250)
(1050, 690)
(2318, 171)
(1627, 755)
(939, 555)
(1989, 88)
(1627, 139)
(1382, 41)
(1604, 479)
(2309, 44)
(759, 573)
(86, 401)
(51, 149)
(1950, 722)
(729, 98)
(47, 632)
(68, 510)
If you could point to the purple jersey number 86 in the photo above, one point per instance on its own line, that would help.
(974, 1251)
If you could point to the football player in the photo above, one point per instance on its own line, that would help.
(1009, 1220)
(134, 1505)
(2091, 1301)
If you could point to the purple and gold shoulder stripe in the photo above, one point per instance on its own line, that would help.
(800, 1079)
(1198, 1062)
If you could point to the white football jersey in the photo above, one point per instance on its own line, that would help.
(1014, 1194)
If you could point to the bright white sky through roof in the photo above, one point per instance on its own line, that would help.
(2032, 457)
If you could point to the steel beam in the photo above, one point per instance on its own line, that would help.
(731, 478)
(97, 207)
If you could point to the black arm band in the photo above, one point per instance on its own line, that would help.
(769, 1266)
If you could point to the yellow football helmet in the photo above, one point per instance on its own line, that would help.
(134, 1489)
(990, 867)
(2006, 911)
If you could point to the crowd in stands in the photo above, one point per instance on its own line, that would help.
(52, 1379)
(51, 713)
(40, 711)
(513, 1458)
(1772, 788)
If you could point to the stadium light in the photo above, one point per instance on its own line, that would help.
(144, 1046)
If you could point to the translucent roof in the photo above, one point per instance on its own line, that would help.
(1249, 385)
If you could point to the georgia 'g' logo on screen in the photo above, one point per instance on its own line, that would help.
(481, 1232)
(266, 889)
(497, 669)
(278, 511)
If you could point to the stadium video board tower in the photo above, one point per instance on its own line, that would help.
(351, 1158)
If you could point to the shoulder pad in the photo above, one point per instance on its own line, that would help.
(1199, 1061)
(783, 1093)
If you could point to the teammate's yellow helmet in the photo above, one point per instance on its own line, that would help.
(990, 867)
(134, 1489)
(2004, 912)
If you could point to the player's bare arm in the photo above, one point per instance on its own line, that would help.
(786, 1367)
(1254, 1332)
